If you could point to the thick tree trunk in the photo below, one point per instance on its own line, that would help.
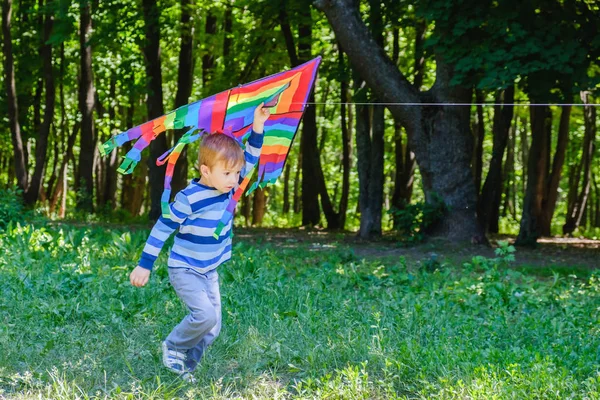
(184, 89)
(154, 103)
(577, 208)
(85, 182)
(551, 195)
(439, 135)
(41, 144)
(489, 201)
(20, 163)
(537, 173)
(369, 145)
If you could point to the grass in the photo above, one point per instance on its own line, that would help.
(299, 322)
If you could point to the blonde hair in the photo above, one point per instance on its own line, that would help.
(218, 148)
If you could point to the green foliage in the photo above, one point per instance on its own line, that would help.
(413, 220)
(299, 322)
(11, 206)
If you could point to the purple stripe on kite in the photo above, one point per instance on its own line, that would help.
(236, 124)
(191, 119)
(134, 133)
(141, 144)
(270, 167)
(291, 122)
(205, 113)
(168, 179)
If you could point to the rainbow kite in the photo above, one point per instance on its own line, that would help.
(231, 112)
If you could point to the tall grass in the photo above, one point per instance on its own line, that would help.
(299, 322)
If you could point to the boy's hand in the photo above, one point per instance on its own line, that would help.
(139, 276)
(261, 115)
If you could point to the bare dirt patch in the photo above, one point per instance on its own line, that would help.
(550, 252)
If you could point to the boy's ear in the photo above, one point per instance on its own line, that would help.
(204, 169)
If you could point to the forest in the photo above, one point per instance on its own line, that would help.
(434, 233)
(481, 114)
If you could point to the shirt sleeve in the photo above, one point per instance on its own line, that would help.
(180, 209)
(252, 152)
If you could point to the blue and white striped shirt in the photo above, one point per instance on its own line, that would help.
(196, 211)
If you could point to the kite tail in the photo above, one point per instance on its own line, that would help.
(228, 213)
(171, 156)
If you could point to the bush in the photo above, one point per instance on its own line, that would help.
(11, 206)
(411, 221)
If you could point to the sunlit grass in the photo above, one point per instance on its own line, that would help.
(299, 322)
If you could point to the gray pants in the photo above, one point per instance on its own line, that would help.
(202, 325)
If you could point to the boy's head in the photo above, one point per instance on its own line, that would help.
(220, 159)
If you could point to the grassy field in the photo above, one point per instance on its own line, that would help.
(300, 321)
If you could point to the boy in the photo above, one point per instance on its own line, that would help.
(196, 254)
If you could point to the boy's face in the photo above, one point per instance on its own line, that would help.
(222, 177)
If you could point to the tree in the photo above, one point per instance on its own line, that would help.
(488, 205)
(20, 162)
(41, 146)
(184, 86)
(84, 183)
(582, 179)
(439, 135)
(154, 102)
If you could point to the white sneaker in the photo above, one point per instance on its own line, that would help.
(175, 361)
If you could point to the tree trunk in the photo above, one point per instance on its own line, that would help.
(185, 81)
(491, 194)
(20, 164)
(551, 195)
(84, 183)
(477, 162)
(41, 144)
(286, 188)
(60, 190)
(208, 59)
(259, 204)
(346, 149)
(110, 163)
(577, 208)
(403, 155)
(297, 185)
(370, 127)
(154, 103)
(308, 141)
(228, 34)
(439, 135)
(537, 172)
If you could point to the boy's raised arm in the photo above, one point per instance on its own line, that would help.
(255, 141)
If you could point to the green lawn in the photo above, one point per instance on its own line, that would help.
(300, 321)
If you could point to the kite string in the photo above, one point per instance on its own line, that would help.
(334, 103)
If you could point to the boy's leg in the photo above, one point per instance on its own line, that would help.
(195, 354)
(193, 289)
